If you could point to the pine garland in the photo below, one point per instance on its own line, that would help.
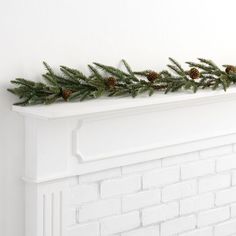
(72, 84)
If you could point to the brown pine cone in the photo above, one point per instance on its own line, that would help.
(66, 94)
(194, 73)
(152, 76)
(111, 82)
(230, 69)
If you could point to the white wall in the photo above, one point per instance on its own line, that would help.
(77, 32)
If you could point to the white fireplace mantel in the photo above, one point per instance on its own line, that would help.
(109, 105)
(104, 133)
(66, 140)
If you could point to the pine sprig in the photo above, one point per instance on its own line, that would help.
(71, 84)
(177, 65)
(111, 70)
(132, 75)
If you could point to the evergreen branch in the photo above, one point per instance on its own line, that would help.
(180, 69)
(113, 71)
(48, 68)
(128, 67)
(200, 66)
(95, 72)
(72, 84)
(209, 63)
(175, 69)
(49, 79)
(76, 74)
(132, 75)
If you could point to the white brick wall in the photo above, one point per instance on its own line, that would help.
(226, 163)
(234, 178)
(196, 203)
(193, 194)
(141, 199)
(178, 225)
(233, 210)
(84, 229)
(99, 209)
(84, 193)
(161, 177)
(199, 232)
(120, 186)
(213, 216)
(160, 213)
(117, 224)
(226, 196)
(225, 229)
(198, 168)
(179, 190)
(214, 182)
(146, 231)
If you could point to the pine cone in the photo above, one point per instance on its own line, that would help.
(152, 76)
(194, 73)
(230, 69)
(66, 93)
(111, 82)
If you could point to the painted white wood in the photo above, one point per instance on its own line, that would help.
(63, 141)
(83, 144)
(47, 143)
(157, 101)
(143, 131)
(145, 33)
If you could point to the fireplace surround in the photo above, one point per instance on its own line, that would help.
(162, 166)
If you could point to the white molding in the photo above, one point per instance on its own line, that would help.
(141, 131)
(110, 105)
(63, 141)
(138, 157)
(54, 151)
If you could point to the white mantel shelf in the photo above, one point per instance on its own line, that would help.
(109, 105)
(83, 157)
(84, 137)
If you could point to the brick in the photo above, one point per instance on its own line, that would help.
(179, 190)
(178, 225)
(216, 151)
(84, 193)
(199, 232)
(120, 186)
(141, 167)
(101, 175)
(160, 213)
(147, 231)
(214, 182)
(141, 199)
(226, 163)
(99, 209)
(234, 147)
(180, 159)
(91, 229)
(213, 216)
(234, 178)
(118, 224)
(196, 203)
(70, 218)
(233, 210)
(226, 196)
(161, 177)
(196, 169)
(225, 229)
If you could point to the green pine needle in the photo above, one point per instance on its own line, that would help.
(131, 83)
